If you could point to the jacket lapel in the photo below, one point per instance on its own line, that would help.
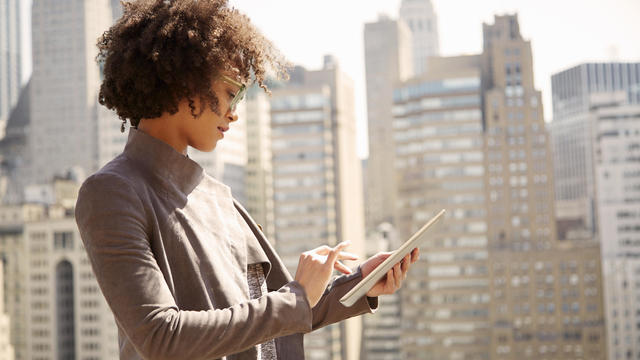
(256, 251)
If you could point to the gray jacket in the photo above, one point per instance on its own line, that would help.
(170, 247)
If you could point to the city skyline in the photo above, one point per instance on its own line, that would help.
(460, 34)
(469, 135)
(543, 22)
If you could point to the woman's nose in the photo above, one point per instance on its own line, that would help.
(232, 115)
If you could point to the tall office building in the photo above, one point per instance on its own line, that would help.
(10, 58)
(6, 350)
(387, 61)
(53, 298)
(546, 297)
(259, 180)
(14, 151)
(65, 120)
(13, 255)
(616, 125)
(572, 136)
(381, 331)
(423, 23)
(68, 316)
(317, 182)
(437, 128)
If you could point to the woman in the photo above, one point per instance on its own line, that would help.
(185, 270)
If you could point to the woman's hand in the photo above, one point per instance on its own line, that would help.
(395, 276)
(316, 266)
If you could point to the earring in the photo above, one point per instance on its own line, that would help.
(122, 126)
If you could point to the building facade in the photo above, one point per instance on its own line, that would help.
(422, 20)
(10, 58)
(387, 61)
(259, 180)
(572, 136)
(616, 134)
(546, 295)
(317, 182)
(13, 253)
(439, 164)
(381, 331)
(6, 349)
(68, 316)
(65, 115)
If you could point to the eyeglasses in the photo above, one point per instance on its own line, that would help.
(239, 95)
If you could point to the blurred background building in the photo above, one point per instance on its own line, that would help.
(439, 149)
(469, 136)
(422, 21)
(536, 259)
(388, 59)
(596, 154)
(10, 58)
(317, 182)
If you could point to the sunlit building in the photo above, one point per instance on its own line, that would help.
(66, 120)
(12, 253)
(317, 182)
(439, 164)
(14, 151)
(381, 331)
(546, 295)
(68, 317)
(573, 141)
(422, 20)
(6, 349)
(259, 174)
(616, 134)
(388, 60)
(52, 298)
(10, 58)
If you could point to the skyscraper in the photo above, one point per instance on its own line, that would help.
(15, 151)
(13, 254)
(10, 58)
(6, 350)
(68, 317)
(423, 23)
(259, 179)
(387, 61)
(64, 129)
(317, 182)
(382, 330)
(572, 136)
(616, 125)
(545, 295)
(437, 129)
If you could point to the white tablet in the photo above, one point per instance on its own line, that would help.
(379, 272)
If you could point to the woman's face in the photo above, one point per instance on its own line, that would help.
(204, 132)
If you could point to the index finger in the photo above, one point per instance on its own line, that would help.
(333, 254)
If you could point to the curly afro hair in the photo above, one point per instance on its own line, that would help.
(161, 52)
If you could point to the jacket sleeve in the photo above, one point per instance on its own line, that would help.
(114, 228)
(330, 310)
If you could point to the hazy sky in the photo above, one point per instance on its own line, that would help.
(563, 33)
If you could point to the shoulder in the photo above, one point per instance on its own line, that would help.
(116, 182)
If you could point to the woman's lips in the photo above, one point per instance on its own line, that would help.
(222, 130)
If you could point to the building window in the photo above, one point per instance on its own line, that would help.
(63, 240)
(65, 311)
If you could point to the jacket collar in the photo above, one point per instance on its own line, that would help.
(163, 160)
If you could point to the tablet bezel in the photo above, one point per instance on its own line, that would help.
(381, 270)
